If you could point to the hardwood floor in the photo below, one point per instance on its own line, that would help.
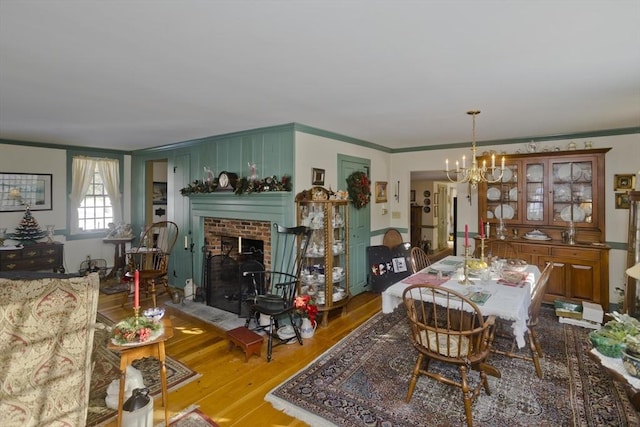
(231, 391)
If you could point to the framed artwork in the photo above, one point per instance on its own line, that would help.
(317, 176)
(624, 182)
(413, 196)
(622, 201)
(19, 190)
(381, 191)
(159, 193)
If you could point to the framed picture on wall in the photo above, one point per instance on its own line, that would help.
(622, 201)
(19, 190)
(624, 182)
(413, 196)
(159, 193)
(381, 191)
(317, 176)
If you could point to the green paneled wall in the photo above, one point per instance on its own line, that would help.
(271, 149)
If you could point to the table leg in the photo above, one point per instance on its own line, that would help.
(123, 374)
(163, 380)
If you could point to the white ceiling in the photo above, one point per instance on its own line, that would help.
(137, 74)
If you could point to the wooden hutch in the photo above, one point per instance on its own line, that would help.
(545, 192)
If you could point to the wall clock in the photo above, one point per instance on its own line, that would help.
(426, 193)
(226, 181)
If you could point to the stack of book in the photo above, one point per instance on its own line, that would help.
(585, 314)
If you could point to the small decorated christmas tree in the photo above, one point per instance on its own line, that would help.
(28, 231)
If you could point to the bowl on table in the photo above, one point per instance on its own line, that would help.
(515, 264)
(606, 345)
(155, 313)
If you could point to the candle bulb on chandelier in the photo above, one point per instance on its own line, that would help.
(446, 165)
(464, 162)
(502, 162)
(484, 164)
(493, 161)
(457, 166)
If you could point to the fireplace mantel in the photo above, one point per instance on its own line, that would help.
(274, 206)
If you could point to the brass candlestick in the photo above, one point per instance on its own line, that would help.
(136, 314)
(465, 279)
(482, 249)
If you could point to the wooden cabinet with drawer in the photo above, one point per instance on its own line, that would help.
(36, 257)
(548, 192)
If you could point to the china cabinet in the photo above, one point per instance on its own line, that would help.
(633, 254)
(325, 270)
(551, 193)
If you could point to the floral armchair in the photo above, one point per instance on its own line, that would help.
(46, 341)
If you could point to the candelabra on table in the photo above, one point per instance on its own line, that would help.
(464, 280)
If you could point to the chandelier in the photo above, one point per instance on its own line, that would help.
(474, 174)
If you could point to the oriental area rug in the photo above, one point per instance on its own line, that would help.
(107, 368)
(362, 381)
(190, 417)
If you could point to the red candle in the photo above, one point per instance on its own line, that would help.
(466, 235)
(482, 228)
(136, 289)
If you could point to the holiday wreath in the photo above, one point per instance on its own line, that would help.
(358, 187)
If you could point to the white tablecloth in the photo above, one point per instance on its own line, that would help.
(506, 302)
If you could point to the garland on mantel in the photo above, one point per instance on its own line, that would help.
(244, 185)
(358, 188)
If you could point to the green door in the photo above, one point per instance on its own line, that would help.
(359, 225)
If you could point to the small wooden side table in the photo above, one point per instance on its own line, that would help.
(130, 353)
(119, 262)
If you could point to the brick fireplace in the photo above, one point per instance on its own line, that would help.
(218, 231)
(219, 220)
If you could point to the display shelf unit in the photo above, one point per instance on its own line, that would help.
(547, 192)
(631, 297)
(325, 270)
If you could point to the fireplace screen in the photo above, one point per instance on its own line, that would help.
(226, 287)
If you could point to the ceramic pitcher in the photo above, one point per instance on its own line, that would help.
(307, 329)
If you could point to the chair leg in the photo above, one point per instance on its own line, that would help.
(295, 329)
(125, 297)
(534, 346)
(270, 333)
(153, 292)
(465, 396)
(414, 377)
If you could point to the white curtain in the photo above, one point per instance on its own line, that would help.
(109, 170)
(82, 172)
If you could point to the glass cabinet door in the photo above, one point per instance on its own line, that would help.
(572, 192)
(534, 192)
(502, 195)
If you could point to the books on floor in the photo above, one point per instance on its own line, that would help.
(586, 314)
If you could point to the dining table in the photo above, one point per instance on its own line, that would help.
(506, 299)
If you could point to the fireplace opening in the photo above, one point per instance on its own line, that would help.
(225, 285)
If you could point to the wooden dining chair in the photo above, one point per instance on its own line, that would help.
(419, 259)
(392, 238)
(498, 248)
(537, 295)
(451, 330)
(275, 290)
(151, 258)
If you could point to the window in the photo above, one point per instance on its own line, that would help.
(95, 197)
(95, 211)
